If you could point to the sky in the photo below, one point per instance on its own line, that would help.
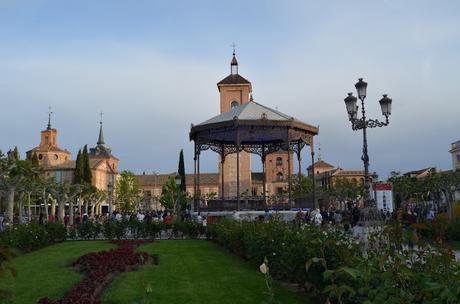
(152, 66)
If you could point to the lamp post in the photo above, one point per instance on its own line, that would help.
(110, 191)
(155, 189)
(370, 212)
(178, 180)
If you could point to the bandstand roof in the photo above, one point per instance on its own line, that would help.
(253, 126)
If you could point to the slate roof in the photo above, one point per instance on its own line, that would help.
(421, 171)
(234, 79)
(249, 111)
(47, 149)
(321, 163)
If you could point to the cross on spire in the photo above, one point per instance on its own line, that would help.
(233, 45)
(100, 140)
(49, 118)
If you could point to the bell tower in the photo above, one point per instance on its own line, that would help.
(48, 152)
(234, 91)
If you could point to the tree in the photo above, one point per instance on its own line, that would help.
(79, 168)
(444, 183)
(173, 198)
(87, 175)
(404, 187)
(344, 190)
(127, 192)
(181, 171)
(302, 187)
(14, 171)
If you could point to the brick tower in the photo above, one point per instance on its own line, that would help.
(234, 91)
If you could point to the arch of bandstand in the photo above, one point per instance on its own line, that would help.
(256, 129)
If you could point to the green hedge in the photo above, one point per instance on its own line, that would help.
(29, 237)
(334, 266)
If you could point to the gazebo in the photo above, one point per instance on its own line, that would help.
(254, 128)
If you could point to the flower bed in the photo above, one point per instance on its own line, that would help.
(100, 268)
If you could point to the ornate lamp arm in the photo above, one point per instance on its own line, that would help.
(359, 124)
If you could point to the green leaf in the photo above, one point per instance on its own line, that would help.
(350, 271)
(327, 274)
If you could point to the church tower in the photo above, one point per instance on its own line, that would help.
(106, 168)
(234, 91)
(48, 152)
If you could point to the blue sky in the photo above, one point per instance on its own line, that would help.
(152, 68)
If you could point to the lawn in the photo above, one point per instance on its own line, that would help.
(47, 272)
(194, 271)
(190, 271)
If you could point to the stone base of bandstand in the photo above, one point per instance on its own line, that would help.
(370, 222)
(362, 233)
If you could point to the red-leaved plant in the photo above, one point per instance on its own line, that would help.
(99, 269)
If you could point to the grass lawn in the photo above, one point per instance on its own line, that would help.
(194, 271)
(47, 272)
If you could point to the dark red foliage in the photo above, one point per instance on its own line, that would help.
(99, 269)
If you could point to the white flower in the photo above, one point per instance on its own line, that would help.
(263, 268)
(274, 253)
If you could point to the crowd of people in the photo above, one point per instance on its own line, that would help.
(411, 214)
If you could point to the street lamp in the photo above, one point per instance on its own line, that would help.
(110, 191)
(370, 212)
(178, 180)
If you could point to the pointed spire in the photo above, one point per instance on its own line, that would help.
(48, 127)
(234, 62)
(100, 140)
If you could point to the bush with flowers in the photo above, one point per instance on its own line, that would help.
(332, 265)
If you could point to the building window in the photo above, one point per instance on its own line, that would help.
(40, 156)
(56, 157)
(46, 140)
(279, 177)
(234, 104)
(279, 161)
(279, 190)
(458, 157)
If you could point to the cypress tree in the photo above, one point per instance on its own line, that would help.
(78, 168)
(87, 175)
(13, 154)
(181, 171)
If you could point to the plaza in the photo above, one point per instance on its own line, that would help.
(145, 158)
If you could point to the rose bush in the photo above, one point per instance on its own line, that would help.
(331, 264)
(31, 236)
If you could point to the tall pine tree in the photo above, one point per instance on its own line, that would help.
(181, 171)
(87, 175)
(79, 168)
